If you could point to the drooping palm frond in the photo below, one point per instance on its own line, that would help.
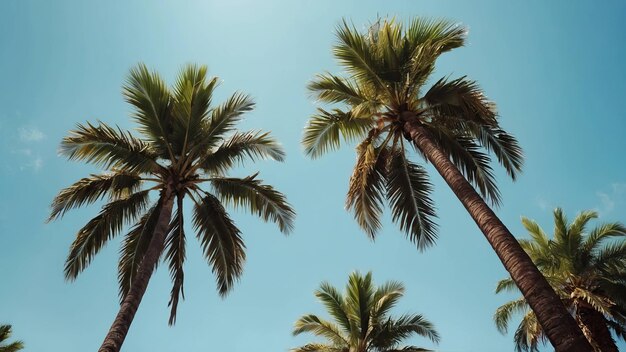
(325, 130)
(471, 161)
(5, 334)
(220, 240)
(175, 256)
(529, 335)
(241, 145)
(90, 189)
(110, 148)
(385, 298)
(108, 223)
(408, 192)
(366, 187)
(134, 247)
(505, 312)
(262, 200)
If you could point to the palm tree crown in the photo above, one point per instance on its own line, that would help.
(381, 101)
(184, 143)
(586, 269)
(361, 319)
(5, 334)
(387, 68)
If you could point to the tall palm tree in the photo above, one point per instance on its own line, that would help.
(361, 319)
(384, 104)
(586, 269)
(5, 334)
(184, 142)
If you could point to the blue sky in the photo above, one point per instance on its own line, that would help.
(555, 70)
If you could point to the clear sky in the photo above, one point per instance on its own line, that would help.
(556, 70)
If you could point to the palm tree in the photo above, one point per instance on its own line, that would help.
(384, 104)
(586, 269)
(362, 321)
(185, 142)
(5, 334)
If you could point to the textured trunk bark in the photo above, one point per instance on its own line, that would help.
(116, 335)
(558, 325)
(593, 325)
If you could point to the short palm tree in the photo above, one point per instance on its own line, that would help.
(586, 269)
(361, 319)
(384, 104)
(5, 334)
(185, 142)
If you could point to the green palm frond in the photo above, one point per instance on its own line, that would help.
(134, 247)
(262, 200)
(471, 161)
(90, 189)
(329, 88)
(529, 334)
(317, 347)
(612, 255)
(394, 331)
(366, 187)
(148, 93)
(385, 298)
(460, 99)
(601, 233)
(505, 312)
(354, 53)
(192, 95)
(360, 292)
(319, 327)
(504, 146)
(335, 304)
(175, 256)
(108, 223)
(506, 285)
(109, 147)
(241, 145)
(220, 240)
(224, 117)
(5, 334)
(408, 192)
(444, 34)
(325, 129)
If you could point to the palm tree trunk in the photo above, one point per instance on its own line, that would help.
(558, 325)
(117, 333)
(593, 325)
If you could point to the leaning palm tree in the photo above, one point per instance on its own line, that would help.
(384, 104)
(361, 319)
(586, 269)
(5, 334)
(184, 143)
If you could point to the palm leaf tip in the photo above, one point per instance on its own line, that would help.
(260, 199)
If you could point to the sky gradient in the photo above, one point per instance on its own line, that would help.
(555, 69)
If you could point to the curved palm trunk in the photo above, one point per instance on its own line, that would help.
(117, 333)
(558, 325)
(593, 325)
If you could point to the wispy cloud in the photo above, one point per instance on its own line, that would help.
(614, 196)
(30, 134)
